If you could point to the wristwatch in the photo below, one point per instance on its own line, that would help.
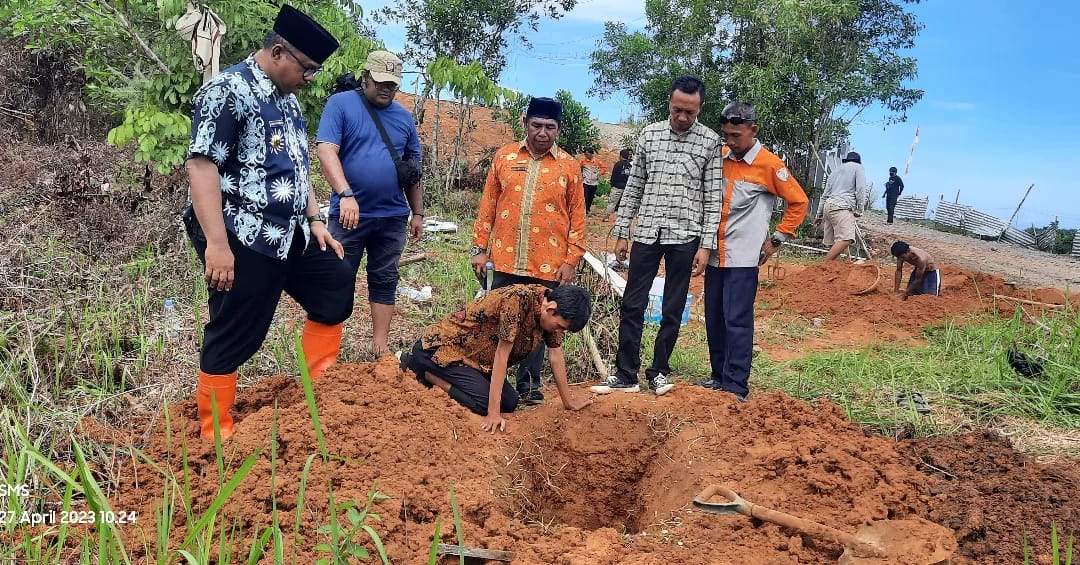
(347, 193)
(476, 250)
(320, 217)
(776, 242)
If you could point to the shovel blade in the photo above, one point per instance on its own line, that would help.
(907, 542)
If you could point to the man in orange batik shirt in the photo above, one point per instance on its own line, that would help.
(531, 223)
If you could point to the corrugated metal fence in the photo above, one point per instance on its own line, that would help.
(1047, 238)
(967, 218)
(911, 208)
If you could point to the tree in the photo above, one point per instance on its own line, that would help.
(467, 31)
(469, 85)
(576, 132)
(138, 69)
(811, 67)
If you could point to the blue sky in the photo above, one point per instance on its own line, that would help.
(1000, 109)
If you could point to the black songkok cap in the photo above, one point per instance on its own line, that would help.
(544, 108)
(305, 34)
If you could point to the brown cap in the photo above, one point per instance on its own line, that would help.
(384, 66)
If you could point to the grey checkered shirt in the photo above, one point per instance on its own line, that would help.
(676, 187)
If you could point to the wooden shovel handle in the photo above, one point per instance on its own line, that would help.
(810, 528)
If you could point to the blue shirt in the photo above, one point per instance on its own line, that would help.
(369, 168)
(256, 136)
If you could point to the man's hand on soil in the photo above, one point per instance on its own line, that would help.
(575, 403)
(492, 423)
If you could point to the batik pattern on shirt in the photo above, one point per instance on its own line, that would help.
(257, 137)
(471, 335)
(532, 213)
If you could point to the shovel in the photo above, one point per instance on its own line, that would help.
(893, 542)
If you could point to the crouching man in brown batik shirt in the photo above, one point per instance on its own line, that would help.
(467, 353)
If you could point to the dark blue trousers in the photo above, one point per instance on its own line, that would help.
(729, 323)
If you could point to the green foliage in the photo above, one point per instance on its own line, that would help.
(577, 132)
(810, 67)
(511, 112)
(467, 31)
(137, 67)
(347, 548)
(467, 83)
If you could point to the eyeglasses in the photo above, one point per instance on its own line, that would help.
(736, 120)
(386, 85)
(309, 72)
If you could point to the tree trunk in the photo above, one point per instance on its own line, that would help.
(464, 109)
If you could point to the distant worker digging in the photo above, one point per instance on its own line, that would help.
(925, 279)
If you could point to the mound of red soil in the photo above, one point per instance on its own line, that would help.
(821, 291)
(994, 497)
(611, 484)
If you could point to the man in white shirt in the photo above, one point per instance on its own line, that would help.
(841, 203)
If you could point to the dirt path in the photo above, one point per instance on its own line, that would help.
(1011, 262)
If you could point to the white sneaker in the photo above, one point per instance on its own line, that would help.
(612, 384)
(661, 385)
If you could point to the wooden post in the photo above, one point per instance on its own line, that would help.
(1017, 209)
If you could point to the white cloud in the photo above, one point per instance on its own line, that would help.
(960, 106)
(610, 10)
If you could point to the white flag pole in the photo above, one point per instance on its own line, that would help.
(915, 142)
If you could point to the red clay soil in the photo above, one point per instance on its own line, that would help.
(824, 291)
(488, 132)
(611, 484)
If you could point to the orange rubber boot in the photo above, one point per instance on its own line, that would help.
(321, 344)
(223, 388)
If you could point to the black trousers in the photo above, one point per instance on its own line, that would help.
(468, 386)
(890, 204)
(240, 318)
(590, 194)
(644, 264)
(528, 370)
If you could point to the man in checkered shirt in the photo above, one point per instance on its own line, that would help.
(674, 192)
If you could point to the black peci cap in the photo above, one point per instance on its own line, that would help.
(305, 34)
(544, 108)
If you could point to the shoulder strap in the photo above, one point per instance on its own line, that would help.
(378, 124)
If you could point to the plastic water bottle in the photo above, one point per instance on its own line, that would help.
(171, 320)
(490, 275)
(421, 295)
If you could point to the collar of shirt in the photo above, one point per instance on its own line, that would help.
(262, 80)
(749, 156)
(554, 151)
(684, 134)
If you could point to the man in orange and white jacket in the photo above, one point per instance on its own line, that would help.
(753, 179)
